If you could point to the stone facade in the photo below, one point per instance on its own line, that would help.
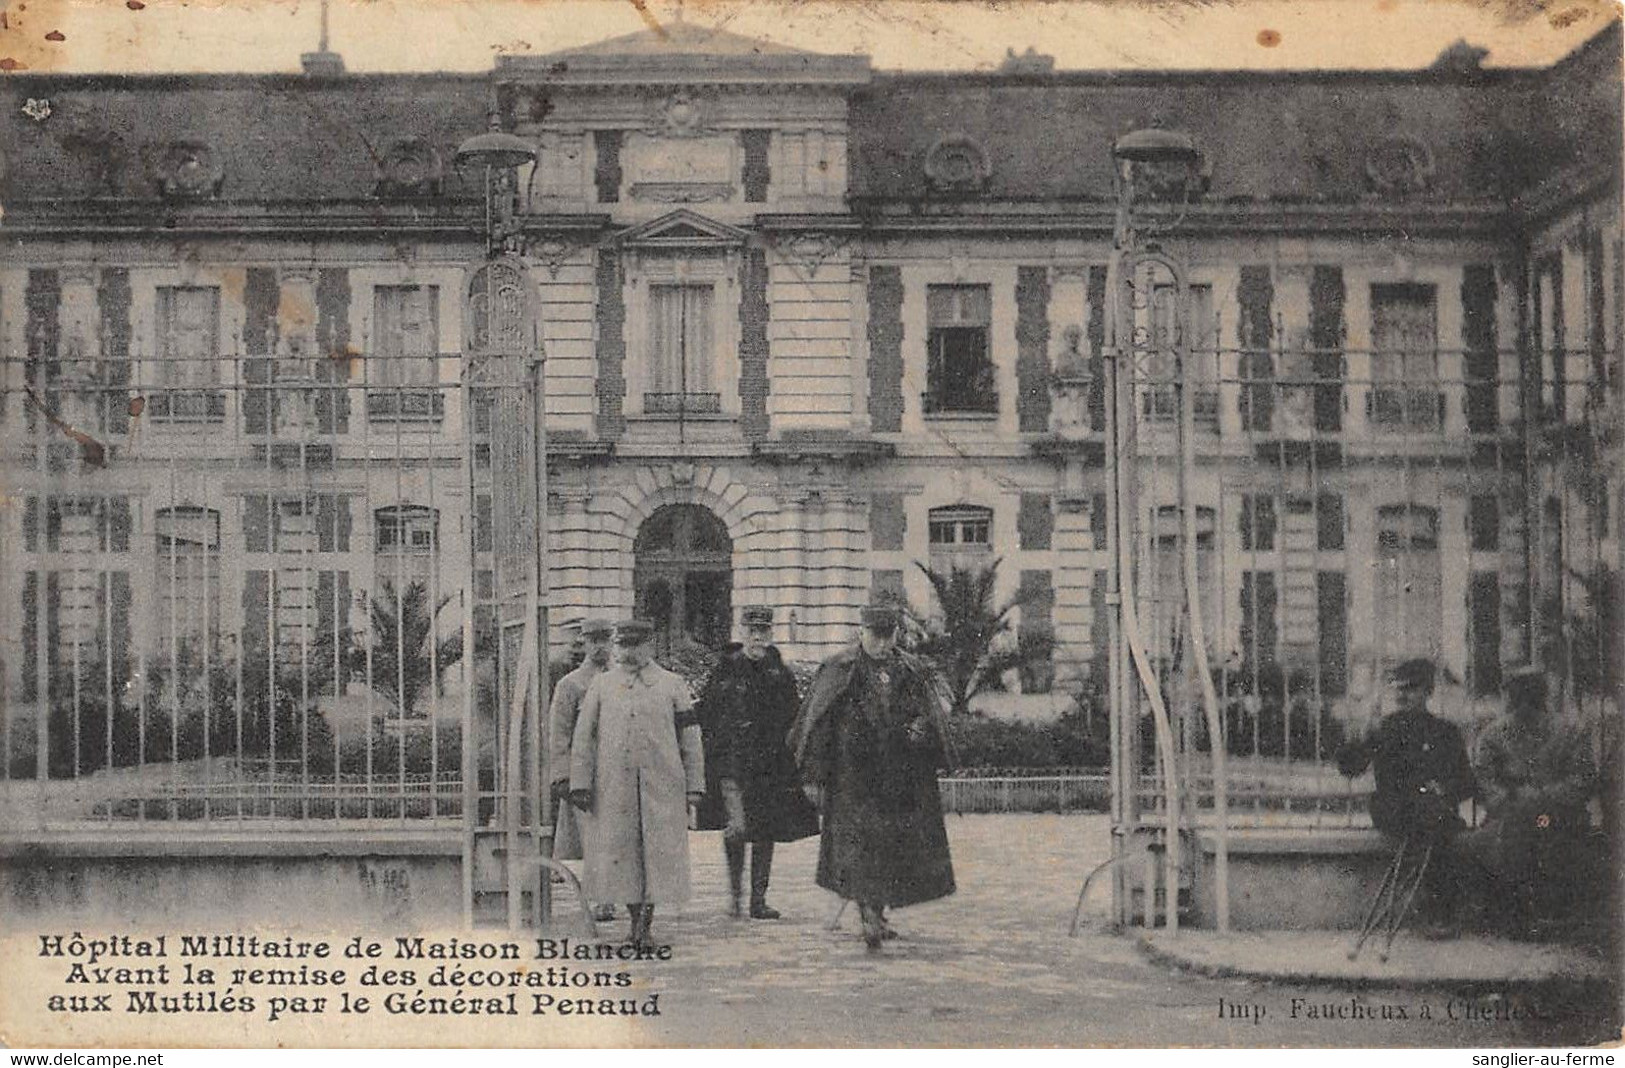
(844, 321)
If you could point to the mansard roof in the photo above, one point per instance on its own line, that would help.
(1485, 137)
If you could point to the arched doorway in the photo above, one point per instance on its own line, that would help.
(683, 576)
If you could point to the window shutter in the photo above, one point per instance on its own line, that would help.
(1032, 349)
(256, 523)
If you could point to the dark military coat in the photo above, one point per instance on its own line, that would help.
(869, 734)
(745, 711)
(1421, 769)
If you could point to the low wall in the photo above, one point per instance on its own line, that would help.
(1293, 879)
(293, 881)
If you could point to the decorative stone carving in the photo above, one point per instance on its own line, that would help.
(410, 167)
(680, 115)
(1172, 183)
(957, 164)
(682, 192)
(186, 170)
(1399, 166)
(551, 251)
(810, 249)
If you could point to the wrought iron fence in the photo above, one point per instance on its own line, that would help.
(242, 589)
(1353, 508)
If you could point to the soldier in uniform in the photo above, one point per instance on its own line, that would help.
(1422, 776)
(752, 793)
(868, 742)
(1536, 779)
(594, 636)
(635, 760)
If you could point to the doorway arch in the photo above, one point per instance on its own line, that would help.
(682, 577)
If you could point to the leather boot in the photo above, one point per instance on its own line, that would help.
(646, 939)
(734, 849)
(873, 926)
(761, 870)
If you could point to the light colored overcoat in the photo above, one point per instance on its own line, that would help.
(638, 750)
(561, 726)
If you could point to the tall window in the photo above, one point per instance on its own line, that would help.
(297, 594)
(1161, 401)
(188, 574)
(189, 354)
(1409, 608)
(1163, 597)
(406, 345)
(1405, 358)
(682, 350)
(960, 529)
(405, 539)
(81, 587)
(959, 369)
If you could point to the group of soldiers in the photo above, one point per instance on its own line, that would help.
(1527, 863)
(636, 761)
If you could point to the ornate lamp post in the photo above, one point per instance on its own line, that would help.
(503, 391)
(1166, 164)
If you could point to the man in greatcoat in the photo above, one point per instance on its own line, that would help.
(594, 634)
(636, 765)
(1536, 778)
(868, 742)
(753, 795)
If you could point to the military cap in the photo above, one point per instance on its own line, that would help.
(596, 626)
(756, 616)
(881, 617)
(1417, 671)
(633, 631)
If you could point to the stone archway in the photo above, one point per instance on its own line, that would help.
(682, 576)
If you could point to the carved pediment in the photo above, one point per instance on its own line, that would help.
(683, 229)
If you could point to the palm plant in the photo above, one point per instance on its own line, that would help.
(398, 660)
(966, 640)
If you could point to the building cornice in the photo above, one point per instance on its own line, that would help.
(1096, 218)
(115, 217)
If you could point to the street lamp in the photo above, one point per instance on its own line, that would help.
(499, 154)
(502, 373)
(1168, 165)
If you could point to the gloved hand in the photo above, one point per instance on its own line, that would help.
(581, 799)
(559, 791)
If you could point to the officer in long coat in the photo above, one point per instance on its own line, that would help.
(1536, 777)
(636, 765)
(753, 795)
(594, 634)
(868, 742)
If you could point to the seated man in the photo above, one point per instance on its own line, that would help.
(1536, 779)
(1422, 776)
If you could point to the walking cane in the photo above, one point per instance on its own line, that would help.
(1383, 902)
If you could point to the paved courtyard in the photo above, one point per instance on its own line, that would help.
(992, 965)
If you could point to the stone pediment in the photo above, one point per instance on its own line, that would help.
(683, 229)
(681, 53)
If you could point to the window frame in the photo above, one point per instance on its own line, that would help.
(978, 398)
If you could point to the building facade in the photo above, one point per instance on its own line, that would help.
(807, 325)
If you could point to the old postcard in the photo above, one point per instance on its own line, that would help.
(573, 523)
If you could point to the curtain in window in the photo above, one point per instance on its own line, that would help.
(1408, 602)
(188, 335)
(1404, 360)
(680, 341)
(405, 335)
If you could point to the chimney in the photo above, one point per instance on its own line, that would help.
(322, 64)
